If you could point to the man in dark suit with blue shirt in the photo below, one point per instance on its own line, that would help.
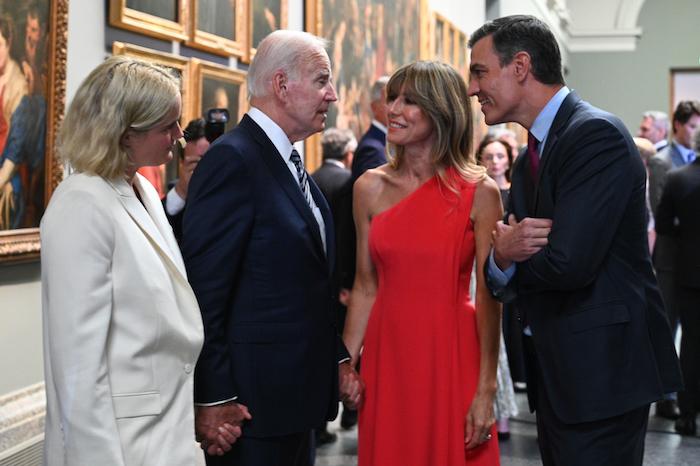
(573, 254)
(258, 244)
(371, 150)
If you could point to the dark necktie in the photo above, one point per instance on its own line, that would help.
(533, 155)
(302, 178)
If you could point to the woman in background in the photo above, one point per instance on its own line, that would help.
(429, 357)
(496, 155)
(122, 329)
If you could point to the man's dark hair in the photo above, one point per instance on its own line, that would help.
(195, 129)
(522, 33)
(686, 109)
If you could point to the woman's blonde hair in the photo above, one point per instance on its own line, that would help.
(441, 93)
(121, 94)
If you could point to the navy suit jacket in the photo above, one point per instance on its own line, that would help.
(599, 328)
(680, 201)
(370, 152)
(255, 259)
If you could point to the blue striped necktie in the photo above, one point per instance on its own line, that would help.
(302, 178)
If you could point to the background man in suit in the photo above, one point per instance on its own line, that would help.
(338, 146)
(677, 215)
(575, 249)
(655, 127)
(259, 247)
(371, 151)
(196, 144)
(686, 118)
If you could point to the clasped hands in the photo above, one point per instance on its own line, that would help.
(218, 427)
(518, 241)
(351, 386)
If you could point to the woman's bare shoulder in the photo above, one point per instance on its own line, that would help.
(487, 196)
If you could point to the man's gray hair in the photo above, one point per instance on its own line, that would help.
(281, 50)
(660, 119)
(377, 92)
(336, 142)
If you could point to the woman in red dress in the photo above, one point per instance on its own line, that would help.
(428, 356)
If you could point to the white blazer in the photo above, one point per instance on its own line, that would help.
(122, 329)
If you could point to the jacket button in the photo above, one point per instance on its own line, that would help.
(188, 368)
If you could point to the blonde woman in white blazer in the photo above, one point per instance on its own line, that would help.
(122, 329)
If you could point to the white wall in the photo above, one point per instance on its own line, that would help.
(467, 15)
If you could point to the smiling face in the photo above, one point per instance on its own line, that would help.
(496, 87)
(409, 126)
(155, 146)
(309, 96)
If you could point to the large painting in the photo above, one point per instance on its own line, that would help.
(33, 37)
(220, 26)
(164, 19)
(268, 16)
(369, 38)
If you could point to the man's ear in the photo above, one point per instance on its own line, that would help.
(279, 84)
(521, 65)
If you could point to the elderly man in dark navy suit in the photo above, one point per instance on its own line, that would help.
(259, 246)
(573, 254)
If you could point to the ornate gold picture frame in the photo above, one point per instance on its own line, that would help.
(163, 19)
(46, 88)
(215, 28)
(266, 16)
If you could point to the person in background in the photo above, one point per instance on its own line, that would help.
(646, 151)
(496, 155)
(655, 127)
(121, 325)
(338, 146)
(196, 144)
(678, 153)
(421, 221)
(677, 215)
(371, 150)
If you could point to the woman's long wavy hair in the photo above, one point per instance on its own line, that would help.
(441, 93)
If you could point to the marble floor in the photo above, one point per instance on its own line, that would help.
(663, 446)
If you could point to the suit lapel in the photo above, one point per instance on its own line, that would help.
(286, 180)
(146, 222)
(560, 120)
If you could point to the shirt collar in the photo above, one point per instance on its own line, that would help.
(686, 153)
(273, 131)
(335, 162)
(380, 126)
(543, 123)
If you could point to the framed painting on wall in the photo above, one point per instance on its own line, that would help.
(369, 39)
(685, 85)
(163, 19)
(220, 26)
(33, 104)
(267, 16)
(215, 86)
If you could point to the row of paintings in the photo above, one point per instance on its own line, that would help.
(224, 27)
